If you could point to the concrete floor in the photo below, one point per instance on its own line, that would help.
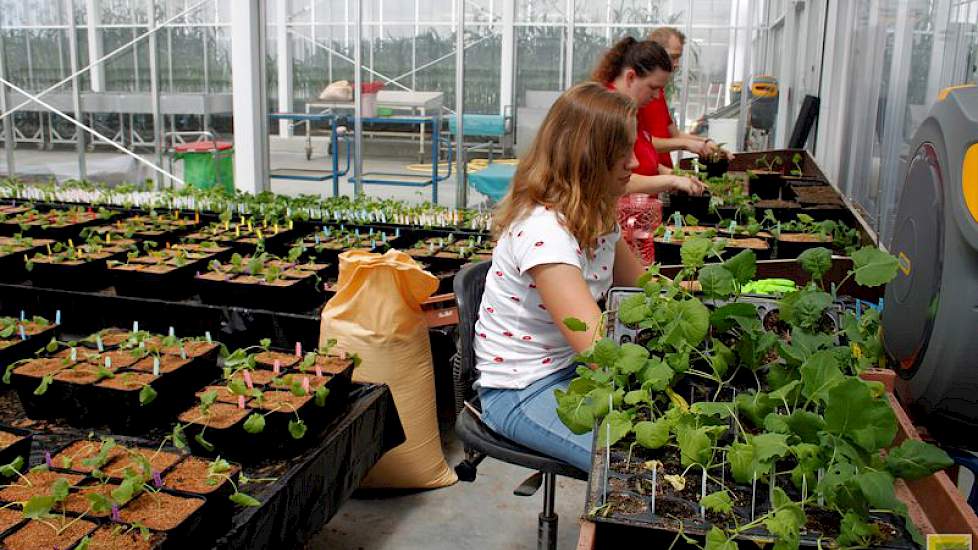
(484, 514)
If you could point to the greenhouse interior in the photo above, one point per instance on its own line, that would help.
(669, 273)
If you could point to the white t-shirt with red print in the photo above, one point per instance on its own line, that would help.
(517, 342)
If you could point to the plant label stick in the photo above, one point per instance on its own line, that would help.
(23, 335)
(135, 326)
(173, 333)
(207, 336)
(57, 317)
(319, 371)
(277, 367)
(753, 494)
(305, 384)
(22, 316)
(298, 349)
(108, 362)
(703, 494)
(74, 355)
(241, 402)
(98, 343)
(247, 379)
(655, 486)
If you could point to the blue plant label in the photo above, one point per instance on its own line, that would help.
(667, 237)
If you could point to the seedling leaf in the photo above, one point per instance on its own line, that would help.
(297, 429)
(255, 423)
(242, 499)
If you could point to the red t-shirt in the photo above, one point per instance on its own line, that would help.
(655, 117)
(645, 153)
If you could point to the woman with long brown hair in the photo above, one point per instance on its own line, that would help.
(558, 253)
(640, 70)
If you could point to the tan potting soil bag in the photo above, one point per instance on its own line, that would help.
(376, 313)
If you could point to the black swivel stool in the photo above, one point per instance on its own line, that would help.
(479, 441)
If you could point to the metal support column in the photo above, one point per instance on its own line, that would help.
(684, 100)
(154, 90)
(97, 77)
(569, 46)
(357, 98)
(787, 73)
(8, 122)
(283, 47)
(69, 13)
(745, 78)
(508, 69)
(249, 105)
(461, 174)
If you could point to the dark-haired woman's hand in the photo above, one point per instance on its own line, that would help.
(689, 186)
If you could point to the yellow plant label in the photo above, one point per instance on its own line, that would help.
(948, 542)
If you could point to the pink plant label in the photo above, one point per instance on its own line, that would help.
(247, 379)
(319, 371)
(241, 401)
(298, 349)
(277, 367)
(305, 384)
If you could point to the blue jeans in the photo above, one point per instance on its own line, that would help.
(529, 417)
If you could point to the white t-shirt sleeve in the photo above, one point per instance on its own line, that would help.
(540, 240)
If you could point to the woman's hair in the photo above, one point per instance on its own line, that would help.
(571, 163)
(643, 57)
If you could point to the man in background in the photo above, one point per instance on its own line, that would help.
(666, 136)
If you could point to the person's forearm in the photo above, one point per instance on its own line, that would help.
(665, 145)
(652, 185)
(628, 268)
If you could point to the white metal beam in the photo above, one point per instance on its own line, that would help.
(461, 166)
(357, 98)
(249, 107)
(283, 48)
(154, 89)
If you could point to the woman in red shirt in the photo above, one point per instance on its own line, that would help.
(640, 70)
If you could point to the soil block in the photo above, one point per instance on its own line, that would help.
(180, 517)
(40, 484)
(118, 537)
(78, 504)
(27, 378)
(73, 456)
(15, 442)
(268, 358)
(791, 245)
(9, 518)
(224, 430)
(64, 533)
(191, 476)
(13, 349)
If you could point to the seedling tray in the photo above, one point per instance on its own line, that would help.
(301, 295)
(624, 496)
(85, 275)
(12, 265)
(20, 349)
(175, 283)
